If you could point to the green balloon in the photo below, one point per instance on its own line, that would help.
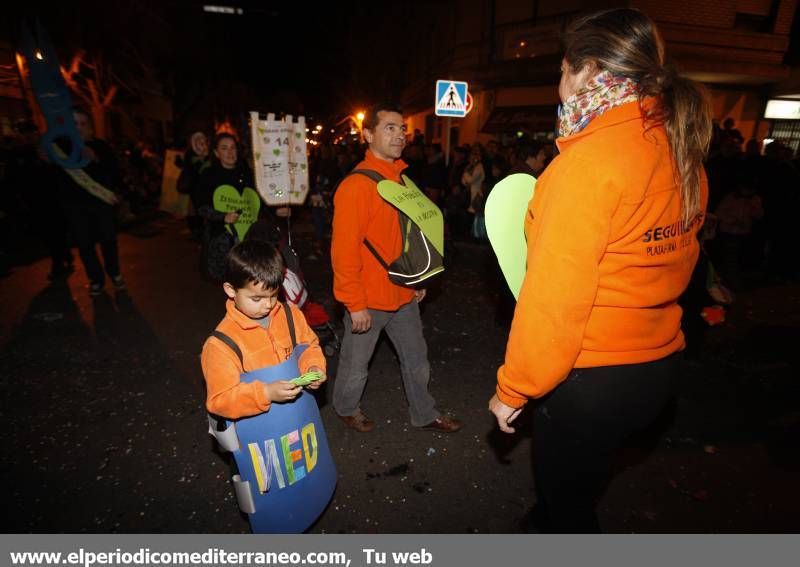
(421, 210)
(505, 212)
(228, 200)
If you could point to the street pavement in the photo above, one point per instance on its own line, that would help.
(104, 428)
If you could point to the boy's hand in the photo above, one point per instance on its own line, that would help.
(317, 383)
(281, 391)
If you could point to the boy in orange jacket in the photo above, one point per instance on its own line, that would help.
(258, 325)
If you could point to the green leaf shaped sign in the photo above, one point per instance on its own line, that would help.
(505, 212)
(421, 210)
(228, 200)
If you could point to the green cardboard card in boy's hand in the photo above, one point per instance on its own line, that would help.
(306, 378)
(505, 224)
(416, 206)
(228, 200)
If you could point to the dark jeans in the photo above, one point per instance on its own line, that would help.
(577, 429)
(91, 225)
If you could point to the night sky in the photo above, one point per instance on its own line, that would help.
(323, 60)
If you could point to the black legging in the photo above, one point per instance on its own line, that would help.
(577, 429)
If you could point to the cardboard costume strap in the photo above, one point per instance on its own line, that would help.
(286, 471)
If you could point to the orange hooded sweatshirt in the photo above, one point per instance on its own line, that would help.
(227, 395)
(359, 281)
(608, 258)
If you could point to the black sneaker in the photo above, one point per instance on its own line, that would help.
(119, 283)
(95, 289)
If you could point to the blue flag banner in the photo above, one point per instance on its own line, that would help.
(53, 97)
(286, 471)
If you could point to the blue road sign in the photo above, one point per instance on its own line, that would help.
(451, 98)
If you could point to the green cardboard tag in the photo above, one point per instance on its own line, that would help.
(421, 210)
(505, 212)
(228, 200)
(306, 378)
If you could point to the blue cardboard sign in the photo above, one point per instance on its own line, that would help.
(286, 471)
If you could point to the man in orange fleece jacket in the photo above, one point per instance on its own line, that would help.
(372, 301)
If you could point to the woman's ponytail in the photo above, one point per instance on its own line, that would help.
(627, 43)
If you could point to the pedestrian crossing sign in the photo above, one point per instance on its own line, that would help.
(451, 98)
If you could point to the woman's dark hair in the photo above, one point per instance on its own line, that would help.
(222, 136)
(254, 261)
(626, 43)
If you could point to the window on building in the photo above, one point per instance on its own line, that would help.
(787, 132)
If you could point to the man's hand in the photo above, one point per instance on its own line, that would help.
(420, 293)
(362, 321)
(231, 218)
(504, 414)
(317, 383)
(281, 391)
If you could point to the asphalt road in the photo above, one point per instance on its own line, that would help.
(104, 428)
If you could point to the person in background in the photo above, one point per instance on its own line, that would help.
(612, 242)
(219, 235)
(434, 173)
(736, 214)
(91, 219)
(195, 162)
(530, 159)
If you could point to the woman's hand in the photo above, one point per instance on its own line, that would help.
(231, 218)
(504, 414)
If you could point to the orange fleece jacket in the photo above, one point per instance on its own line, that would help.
(359, 281)
(607, 258)
(227, 395)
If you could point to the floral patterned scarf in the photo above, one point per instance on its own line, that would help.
(601, 93)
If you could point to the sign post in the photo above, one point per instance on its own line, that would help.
(451, 100)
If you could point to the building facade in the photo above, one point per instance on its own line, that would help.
(509, 53)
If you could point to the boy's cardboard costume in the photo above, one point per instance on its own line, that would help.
(286, 471)
(505, 212)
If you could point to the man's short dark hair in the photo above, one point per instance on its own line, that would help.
(254, 261)
(371, 117)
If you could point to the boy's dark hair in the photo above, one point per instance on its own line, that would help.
(254, 261)
(371, 117)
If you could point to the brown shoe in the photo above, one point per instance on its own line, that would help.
(359, 422)
(444, 424)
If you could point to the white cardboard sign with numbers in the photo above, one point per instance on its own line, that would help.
(279, 155)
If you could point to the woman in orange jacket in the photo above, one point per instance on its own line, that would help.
(612, 243)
